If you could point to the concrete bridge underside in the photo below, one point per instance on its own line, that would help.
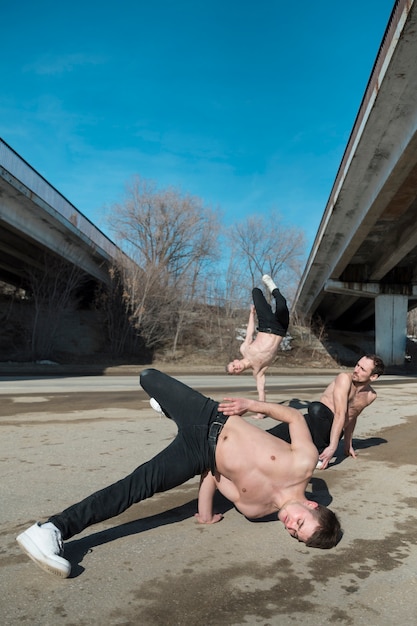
(35, 219)
(362, 270)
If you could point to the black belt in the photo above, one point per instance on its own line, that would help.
(273, 331)
(215, 429)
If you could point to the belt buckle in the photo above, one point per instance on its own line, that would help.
(214, 435)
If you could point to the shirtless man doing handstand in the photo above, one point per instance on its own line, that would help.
(259, 350)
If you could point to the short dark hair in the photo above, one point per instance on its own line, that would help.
(329, 532)
(379, 366)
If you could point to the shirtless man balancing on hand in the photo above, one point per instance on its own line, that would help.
(260, 349)
(259, 473)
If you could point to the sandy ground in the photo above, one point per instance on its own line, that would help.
(153, 565)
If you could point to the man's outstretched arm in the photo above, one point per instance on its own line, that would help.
(260, 383)
(347, 438)
(250, 330)
(340, 400)
(205, 500)
(259, 376)
(299, 431)
(353, 413)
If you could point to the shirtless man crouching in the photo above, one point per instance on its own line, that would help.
(335, 415)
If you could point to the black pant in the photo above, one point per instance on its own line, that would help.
(268, 321)
(189, 454)
(319, 421)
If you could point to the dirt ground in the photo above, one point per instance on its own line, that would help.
(64, 437)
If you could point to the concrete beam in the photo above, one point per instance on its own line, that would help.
(369, 290)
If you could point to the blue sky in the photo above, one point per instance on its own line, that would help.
(246, 104)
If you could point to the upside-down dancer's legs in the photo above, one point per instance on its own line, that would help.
(267, 319)
(282, 314)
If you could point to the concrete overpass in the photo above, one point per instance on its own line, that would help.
(362, 270)
(35, 218)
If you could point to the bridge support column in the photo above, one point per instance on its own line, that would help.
(391, 327)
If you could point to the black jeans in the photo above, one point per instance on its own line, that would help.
(189, 454)
(268, 321)
(319, 421)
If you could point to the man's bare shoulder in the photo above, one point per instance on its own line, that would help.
(342, 381)
(344, 378)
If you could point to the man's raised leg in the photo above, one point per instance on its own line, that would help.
(178, 401)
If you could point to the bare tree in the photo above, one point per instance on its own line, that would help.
(171, 238)
(13, 333)
(111, 301)
(52, 287)
(263, 244)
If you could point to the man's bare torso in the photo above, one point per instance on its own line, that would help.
(359, 397)
(262, 351)
(255, 470)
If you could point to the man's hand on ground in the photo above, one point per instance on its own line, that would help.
(326, 456)
(217, 517)
(350, 452)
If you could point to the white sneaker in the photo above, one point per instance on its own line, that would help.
(45, 547)
(155, 405)
(267, 280)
